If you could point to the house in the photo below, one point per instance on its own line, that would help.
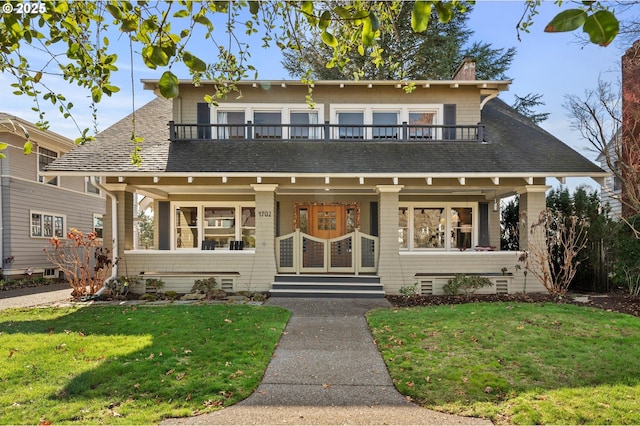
(35, 207)
(370, 189)
(611, 189)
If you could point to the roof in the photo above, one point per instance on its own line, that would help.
(514, 145)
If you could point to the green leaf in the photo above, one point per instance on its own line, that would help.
(27, 148)
(602, 27)
(193, 62)
(567, 20)
(253, 7)
(368, 32)
(96, 94)
(157, 56)
(169, 85)
(129, 24)
(181, 13)
(325, 20)
(342, 12)
(445, 11)
(3, 146)
(37, 77)
(329, 39)
(114, 11)
(420, 16)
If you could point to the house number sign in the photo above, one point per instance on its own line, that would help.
(264, 213)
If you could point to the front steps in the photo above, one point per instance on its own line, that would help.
(347, 286)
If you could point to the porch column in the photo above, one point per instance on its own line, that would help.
(124, 217)
(264, 264)
(533, 200)
(389, 268)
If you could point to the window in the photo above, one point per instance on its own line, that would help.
(236, 124)
(219, 225)
(419, 123)
(380, 119)
(47, 225)
(617, 183)
(46, 157)
(98, 224)
(187, 227)
(351, 125)
(436, 227)
(267, 125)
(300, 129)
(90, 187)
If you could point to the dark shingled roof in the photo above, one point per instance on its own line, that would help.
(514, 144)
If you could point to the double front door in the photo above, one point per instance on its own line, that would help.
(327, 221)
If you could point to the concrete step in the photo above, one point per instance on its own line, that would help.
(351, 286)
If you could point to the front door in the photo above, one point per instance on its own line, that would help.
(327, 221)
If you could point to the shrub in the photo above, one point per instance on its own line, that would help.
(467, 284)
(409, 291)
(120, 286)
(81, 258)
(154, 283)
(205, 286)
(171, 295)
(625, 252)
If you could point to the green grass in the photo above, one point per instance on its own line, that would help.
(128, 365)
(515, 363)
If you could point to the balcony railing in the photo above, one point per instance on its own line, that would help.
(325, 132)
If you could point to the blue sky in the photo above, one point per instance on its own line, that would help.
(554, 65)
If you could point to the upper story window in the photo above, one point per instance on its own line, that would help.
(418, 119)
(46, 157)
(235, 124)
(351, 125)
(304, 125)
(90, 187)
(267, 125)
(380, 122)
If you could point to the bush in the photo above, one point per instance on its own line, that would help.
(625, 252)
(409, 291)
(467, 284)
(205, 286)
(171, 295)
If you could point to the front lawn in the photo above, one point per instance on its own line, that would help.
(515, 363)
(131, 365)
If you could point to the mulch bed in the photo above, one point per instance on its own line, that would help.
(615, 302)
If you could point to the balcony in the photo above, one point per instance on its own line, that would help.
(326, 132)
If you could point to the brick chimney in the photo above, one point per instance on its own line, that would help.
(630, 126)
(466, 70)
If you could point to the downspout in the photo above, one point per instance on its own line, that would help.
(114, 234)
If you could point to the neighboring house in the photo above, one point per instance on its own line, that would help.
(35, 207)
(371, 187)
(611, 189)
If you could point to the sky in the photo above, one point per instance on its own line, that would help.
(554, 65)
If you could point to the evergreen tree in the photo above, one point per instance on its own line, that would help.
(432, 55)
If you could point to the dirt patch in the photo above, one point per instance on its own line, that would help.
(614, 302)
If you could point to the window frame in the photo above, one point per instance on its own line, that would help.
(200, 226)
(48, 180)
(55, 218)
(285, 111)
(88, 184)
(448, 207)
(100, 216)
(403, 111)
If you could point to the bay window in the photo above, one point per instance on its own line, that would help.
(436, 227)
(221, 226)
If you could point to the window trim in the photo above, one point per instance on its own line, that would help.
(448, 206)
(41, 226)
(200, 206)
(285, 111)
(88, 184)
(47, 180)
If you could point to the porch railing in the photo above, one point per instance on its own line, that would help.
(326, 132)
(355, 253)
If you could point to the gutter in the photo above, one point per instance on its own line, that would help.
(114, 233)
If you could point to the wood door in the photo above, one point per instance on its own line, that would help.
(327, 221)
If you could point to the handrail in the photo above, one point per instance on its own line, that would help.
(326, 132)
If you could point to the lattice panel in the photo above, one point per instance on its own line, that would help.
(342, 253)
(286, 253)
(368, 255)
(312, 253)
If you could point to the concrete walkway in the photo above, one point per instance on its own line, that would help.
(326, 370)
